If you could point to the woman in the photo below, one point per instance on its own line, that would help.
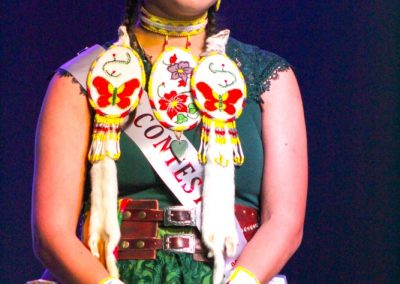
(273, 179)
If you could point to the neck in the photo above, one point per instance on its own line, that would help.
(153, 31)
(172, 12)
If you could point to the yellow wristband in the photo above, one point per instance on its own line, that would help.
(242, 275)
(110, 280)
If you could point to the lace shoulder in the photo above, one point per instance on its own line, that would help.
(259, 67)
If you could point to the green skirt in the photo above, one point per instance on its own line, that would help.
(167, 268)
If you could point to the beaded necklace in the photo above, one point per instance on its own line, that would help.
(169, 87)
(179, 87)
(183, 91)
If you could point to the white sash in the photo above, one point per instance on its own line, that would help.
(183, 179)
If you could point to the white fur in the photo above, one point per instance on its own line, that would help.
(123, 37)
(112, 231)
(217, 43)
(218, 222)
(104, 212)
(96, 212)
(104, 196)
(218, 217)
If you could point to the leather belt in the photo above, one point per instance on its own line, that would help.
(141, 220)
(170, 216)
(187, 243)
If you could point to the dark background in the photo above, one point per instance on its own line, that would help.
(346, 57)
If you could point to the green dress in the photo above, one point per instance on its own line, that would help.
(138, 180)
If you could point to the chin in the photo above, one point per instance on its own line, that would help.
(179, 9)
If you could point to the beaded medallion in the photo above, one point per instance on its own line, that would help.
(114, 84)
(220, 92)
(170, 91)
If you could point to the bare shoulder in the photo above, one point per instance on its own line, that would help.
(65, 104)
(61, 73)
(64, 87)
(284, 89)
(283, 114)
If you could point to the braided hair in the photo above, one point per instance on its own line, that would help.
(131, 15)
(212, 27)
(132, 12)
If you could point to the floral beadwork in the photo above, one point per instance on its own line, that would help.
(180, 70)
(170, 92)
(173, 104)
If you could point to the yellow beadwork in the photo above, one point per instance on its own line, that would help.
(250, 277)
(105, 138)
(217, 5)
(105, 280)
(202, 158)
(225, 132)
(108, 119)
(221, 161)
(170, 27)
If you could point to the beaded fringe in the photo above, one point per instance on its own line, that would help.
(105, 138)
(225, 134)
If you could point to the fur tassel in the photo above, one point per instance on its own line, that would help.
(104, 212)
(123, 37)
(219, 150)
(218, 220)
(104, 230)
(217, 43)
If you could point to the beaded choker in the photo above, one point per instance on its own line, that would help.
(169, 27)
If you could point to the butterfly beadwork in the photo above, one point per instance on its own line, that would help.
(222, 102)
(112, 95)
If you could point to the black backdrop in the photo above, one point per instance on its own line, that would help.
(346, 57)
